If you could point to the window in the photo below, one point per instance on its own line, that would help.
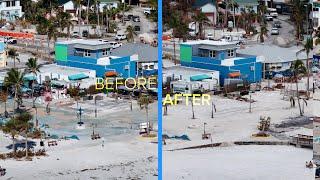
(230, 52)
(13, 3)
(7, 3)
(212, 54)
(104, 52)
(87, 53)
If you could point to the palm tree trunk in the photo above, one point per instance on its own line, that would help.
(149, 124)
(32, 89)
(234, 16)
(14, 62)
(5, 109)
(174, 51)
(308, 73)
(79, 19)
(13, 145)
(14, 101)
(298, 96)
(26, 143)
(87, 16)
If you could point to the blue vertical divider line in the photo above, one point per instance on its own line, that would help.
(159, 89)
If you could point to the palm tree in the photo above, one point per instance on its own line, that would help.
(4, 99)
(307, 47)
(263, 32)
(11, 128)
(144, 102)
(130, 33)
(179, 28)
(78, 4)
(201, 19)
(17, 125)
(233, 6)
(52, 32)
(64, 21)
(33, 68)
(317, 36)
(298, 15)
(298, 69)
(14, 79)
(12, 53)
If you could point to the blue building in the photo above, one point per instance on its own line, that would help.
(223, 57)
(94, 55)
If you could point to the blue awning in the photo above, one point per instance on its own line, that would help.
(77, 77)
(200, 77)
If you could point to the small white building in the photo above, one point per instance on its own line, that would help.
(10, 10)
(188, 80)
(63, 74)
(208, 7)
(109, 4)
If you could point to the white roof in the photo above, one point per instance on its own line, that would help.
(275, 54)
(83, 41)
(209, 42)
(54, 68)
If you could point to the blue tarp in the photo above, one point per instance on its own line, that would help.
(73, 137)
(183, 137)
(200, 77)
(77, 77)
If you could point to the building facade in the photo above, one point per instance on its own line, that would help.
(94, 55)
(223, 57)
(3, 55)
(10, 10)
(207, 7)
(316, 14)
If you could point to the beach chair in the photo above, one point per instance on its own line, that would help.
(52, 143)
(206, 136)
(95, 136)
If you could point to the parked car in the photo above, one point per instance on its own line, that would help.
(85, 33)
(136, 18)
(210, 36)
(130, 16)
(274, 14)
(268, 17)
(10, 40)
(121, 36)
(103, 40)
(137, 28)
(115, 44)
(126, 18)
(317, 172)
(277, 24)
(75, 35)
(274, 31)
(147, 11)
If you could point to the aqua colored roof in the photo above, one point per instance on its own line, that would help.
(108, 1)
(29, 77)
(200, 3)
(247, 2)
(200, 77)
(77, 77)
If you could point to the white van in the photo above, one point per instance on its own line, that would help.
(273, 12)
(121, 36)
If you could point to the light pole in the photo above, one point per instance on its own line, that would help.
(204, 128)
